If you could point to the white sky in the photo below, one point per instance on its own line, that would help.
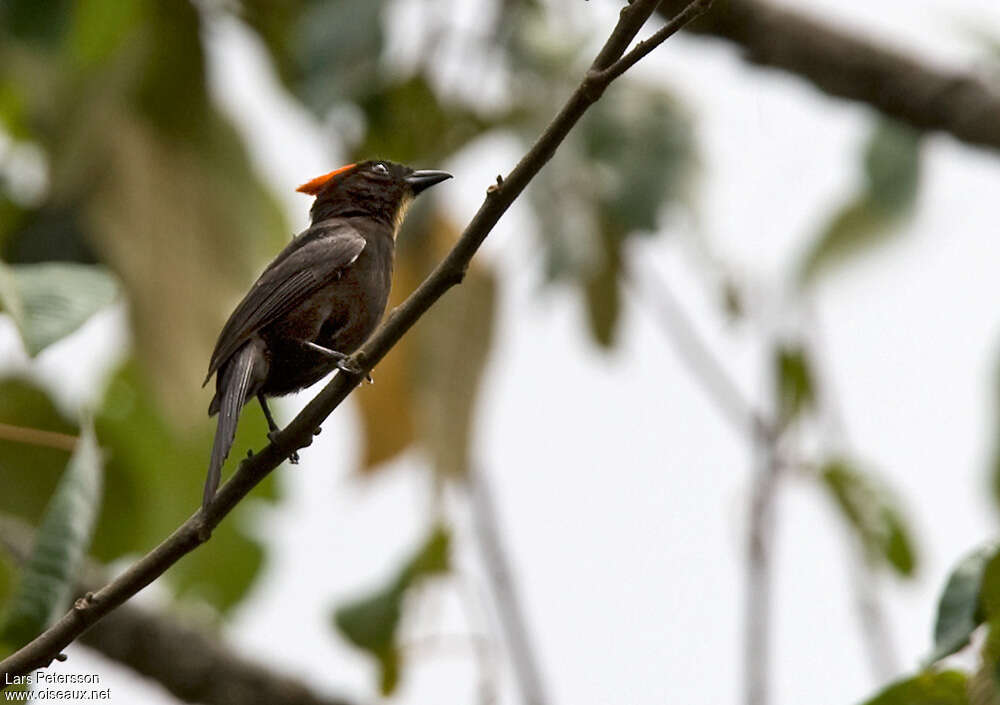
(621, 488)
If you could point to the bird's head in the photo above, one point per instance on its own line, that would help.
(377, 188)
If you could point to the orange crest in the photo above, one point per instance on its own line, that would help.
(316, 185)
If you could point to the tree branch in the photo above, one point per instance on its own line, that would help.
(510, 612)
(845, 65)
(37, 437)
(759, 576)
(765, 435)
(192, 665)
(299, 432)
(704, 366)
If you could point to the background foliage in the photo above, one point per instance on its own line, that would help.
(123, 184)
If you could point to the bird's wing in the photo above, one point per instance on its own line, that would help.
(309, 262)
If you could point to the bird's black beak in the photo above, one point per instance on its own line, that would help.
(425, 178)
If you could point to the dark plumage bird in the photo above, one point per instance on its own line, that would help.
(319, 299)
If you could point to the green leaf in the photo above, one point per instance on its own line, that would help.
(871, 510)
(602, 289)
(50, 301)
(60, 545)
(960, 609)
(892, 166)
(7, 580)
(892, 175)
(99, 27)
(794, 386)
(371, 623)
(42, 23)
(929, 688)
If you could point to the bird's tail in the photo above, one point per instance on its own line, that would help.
(241, 373)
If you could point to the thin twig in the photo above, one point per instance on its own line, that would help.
(873, 624)
(37, 437)
(706, 368)
(644, 47)
(695, 353)
(509, 610)
(757, 610)
(875, 632)
(299, 433)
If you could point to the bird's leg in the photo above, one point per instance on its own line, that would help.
(272, 427)
(343, 361)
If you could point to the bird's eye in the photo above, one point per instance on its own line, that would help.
(380, 169)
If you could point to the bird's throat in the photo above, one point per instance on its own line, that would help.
(401, 209)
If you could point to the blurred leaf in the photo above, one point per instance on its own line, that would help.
(892, 176)
(50, 301)
(455, 339)
(387, 408)
(632, 157)
(873, 514)
(61, 543)
(46, 234)
(7, 579)
(408, 123)
(989, 592)
(154, 477)
(795, 389)
(638, 142)
(327, 52)
(427, 385)
(12, 110)
(929, 688)
(892, 165)
(99, 27)
(371, 623)
(959, 608)
(43, 22)
(602, 289)
(28, 471)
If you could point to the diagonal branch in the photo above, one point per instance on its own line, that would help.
(846, 65)
(298, 434)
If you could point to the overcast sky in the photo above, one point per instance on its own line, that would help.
(621, 488)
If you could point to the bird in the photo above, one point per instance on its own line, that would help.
(317, 301)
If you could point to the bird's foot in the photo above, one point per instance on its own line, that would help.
(293, 457)
(352, 368)
(344, 362)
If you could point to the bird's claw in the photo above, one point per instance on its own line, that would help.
(293, 457)
(352, 368)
